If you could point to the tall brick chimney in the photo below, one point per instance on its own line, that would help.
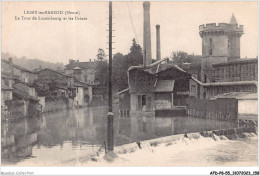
(147, 35)
(158, 43)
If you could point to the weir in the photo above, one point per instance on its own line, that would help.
(216, 135)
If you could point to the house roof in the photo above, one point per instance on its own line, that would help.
(54, 72)
(24, 95)
(82, 65)
(237, 95)
(164, 86)
(17, 66)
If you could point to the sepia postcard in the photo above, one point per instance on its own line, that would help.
(130, 83)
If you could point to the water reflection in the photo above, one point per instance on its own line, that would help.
(18, 138)
(62, 135)
(146, 127)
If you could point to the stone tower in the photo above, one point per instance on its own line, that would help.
(221, 43)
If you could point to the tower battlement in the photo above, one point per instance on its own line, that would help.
(221, 40)
(221, 27)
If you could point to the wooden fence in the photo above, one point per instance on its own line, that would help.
(226, 108)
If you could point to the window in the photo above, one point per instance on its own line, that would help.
(149, 101)
(139, 103)
(210, 46)
(193, 89)
(144, 102)
(210, 52)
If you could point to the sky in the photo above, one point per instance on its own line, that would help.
(59, 41)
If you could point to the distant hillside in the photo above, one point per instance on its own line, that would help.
(31, 64)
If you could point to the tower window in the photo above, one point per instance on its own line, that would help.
(210, 41)
(210, 52)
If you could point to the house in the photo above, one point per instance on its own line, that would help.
(64, 85)
(83, 71)
(158, 86)
(26, 88)
(24, 104)
(18, 72)
(18, 93)
(79, 98)
(25, 92)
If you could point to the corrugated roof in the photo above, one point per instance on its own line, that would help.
(237, 95)
(164, 86)
(24, 95)
(240, 61)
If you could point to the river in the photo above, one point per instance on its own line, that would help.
(62, 135)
